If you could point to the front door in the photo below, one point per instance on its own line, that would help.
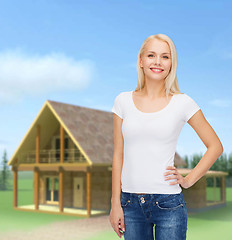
(78, 192)
(52, 190)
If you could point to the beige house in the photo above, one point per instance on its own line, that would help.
(69, 149)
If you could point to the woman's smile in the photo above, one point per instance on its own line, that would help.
(156, 70)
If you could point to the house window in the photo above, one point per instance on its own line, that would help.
(56, 189)
(52, 189)
(66, 149)
(48, 189)
(57, 147)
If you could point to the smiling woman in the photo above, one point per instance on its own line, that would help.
(147, 124)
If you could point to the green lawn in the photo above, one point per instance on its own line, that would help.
(213, 224)
(24, 220)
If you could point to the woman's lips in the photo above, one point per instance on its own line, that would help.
(156, 71)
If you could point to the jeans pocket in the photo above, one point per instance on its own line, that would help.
(170, 203)
(125, 200)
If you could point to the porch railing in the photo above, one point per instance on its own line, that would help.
(52, 156)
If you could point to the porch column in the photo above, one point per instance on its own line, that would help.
(88, 193)
(223, 189)
(61, 144)
(61, 189)
(37, 143)
(214, 188)
(15, 187)
(36, 188)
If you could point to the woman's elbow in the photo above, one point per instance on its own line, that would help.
(217, 147)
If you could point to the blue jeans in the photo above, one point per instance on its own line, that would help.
(167, 211)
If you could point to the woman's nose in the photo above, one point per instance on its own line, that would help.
(157, 60)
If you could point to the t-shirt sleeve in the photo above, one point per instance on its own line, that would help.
(190, 108)
(117, 107)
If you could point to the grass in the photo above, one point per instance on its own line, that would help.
(24, 220)
(213, 224)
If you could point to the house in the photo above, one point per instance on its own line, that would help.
(69, 149)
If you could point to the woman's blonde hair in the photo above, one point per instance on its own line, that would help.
(171, 84)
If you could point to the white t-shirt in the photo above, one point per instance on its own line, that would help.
(150, 142)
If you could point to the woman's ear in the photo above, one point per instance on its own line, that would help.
(140, 63)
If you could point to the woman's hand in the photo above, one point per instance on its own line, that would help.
(180, 179)
(116, 218)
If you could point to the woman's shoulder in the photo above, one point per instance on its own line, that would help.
(185, 99)
(121, 97)
(182, 97)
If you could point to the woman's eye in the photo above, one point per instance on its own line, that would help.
(151, 55)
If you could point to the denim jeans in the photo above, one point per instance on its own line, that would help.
(167, 211)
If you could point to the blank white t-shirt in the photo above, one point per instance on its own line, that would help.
(150, 141)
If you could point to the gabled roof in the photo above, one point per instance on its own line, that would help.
(90, 129)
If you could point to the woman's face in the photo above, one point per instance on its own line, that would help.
(156, 54)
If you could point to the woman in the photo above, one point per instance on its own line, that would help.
(147, 123)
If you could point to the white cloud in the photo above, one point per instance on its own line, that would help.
(21, 74)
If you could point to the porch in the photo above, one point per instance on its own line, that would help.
(66, 210)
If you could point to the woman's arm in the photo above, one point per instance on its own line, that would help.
(210, 140)
(117, 161)
(116, 213)
(214, 150)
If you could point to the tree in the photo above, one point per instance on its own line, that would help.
(185, 158)
(195, 159)
(5, 173)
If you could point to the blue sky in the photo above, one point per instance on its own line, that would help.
(85, 53)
